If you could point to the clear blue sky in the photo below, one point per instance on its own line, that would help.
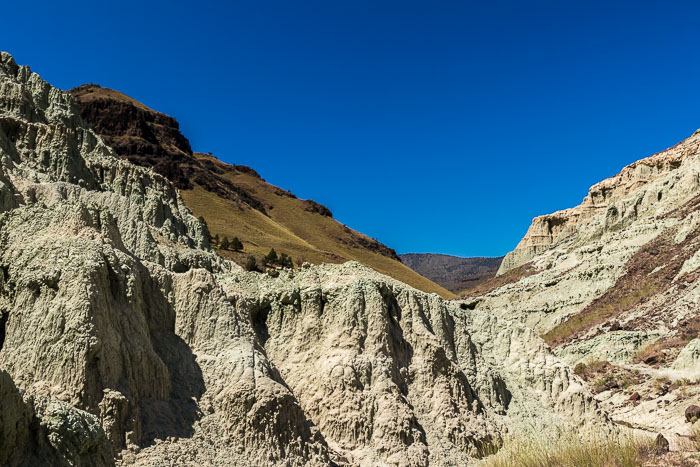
(433, 126)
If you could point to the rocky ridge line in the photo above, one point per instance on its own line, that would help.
(604, 199)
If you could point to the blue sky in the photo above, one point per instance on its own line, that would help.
(433, 126)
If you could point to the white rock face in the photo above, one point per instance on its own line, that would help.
(646, 188)
(129, 341)
(689, 357)
(613, 283)
(579, 254)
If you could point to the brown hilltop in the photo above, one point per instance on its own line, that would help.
(233, 199)
(152, 139)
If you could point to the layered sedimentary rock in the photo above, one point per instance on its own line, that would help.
(613, 283)
(643, 188)
(638, 224)
(125, 339)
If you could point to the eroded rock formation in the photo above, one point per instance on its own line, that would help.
(126, 339)
(613, 282)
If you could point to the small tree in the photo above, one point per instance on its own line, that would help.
(285, 261)
(225, 244)
(216, 239)
(251, 264)
(270, 258)
(236, 244)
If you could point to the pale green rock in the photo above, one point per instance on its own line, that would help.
(618, 347)
(689, 357)
(129, 335)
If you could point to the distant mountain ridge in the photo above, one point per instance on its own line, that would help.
(454, 273)
(234, 200)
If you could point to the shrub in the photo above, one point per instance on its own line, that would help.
(646, 351)
(251, 264)
(225, 244)
(662, 383)
(236, 244)
(285, 261)
(572, 449)
(271, 258)
(605, 383)
(683, 382)
(587, 370)
(580, 369)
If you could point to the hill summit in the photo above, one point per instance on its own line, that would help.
(233, 199)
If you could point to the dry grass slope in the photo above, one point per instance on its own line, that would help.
(234, 200)
(510, 277)
(572, 449)
(290, 226)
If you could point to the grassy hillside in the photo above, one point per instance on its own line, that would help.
(292, 226)
(234, 200)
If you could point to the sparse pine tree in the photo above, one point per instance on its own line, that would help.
(270, 258)
(285, 261)
(236, 244)
(225, 244)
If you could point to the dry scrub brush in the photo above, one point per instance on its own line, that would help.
(572, 449)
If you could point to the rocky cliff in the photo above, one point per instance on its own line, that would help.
(630, 226)
(125, 339)
(613, 203)
(613, 282)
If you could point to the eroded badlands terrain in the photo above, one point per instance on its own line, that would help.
(124, 339)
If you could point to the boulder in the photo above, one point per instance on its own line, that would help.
(692, 413)
(689, 357)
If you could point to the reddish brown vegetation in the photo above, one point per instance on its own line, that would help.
(649, 272)
(604, 376)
